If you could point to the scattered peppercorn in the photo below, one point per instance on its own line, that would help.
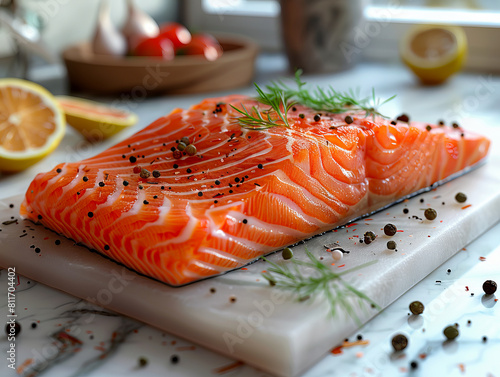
(416, 307)
(430, 214)
(399, 342)
(106, 247)
(145, 174)
(85, 179)
(174, 359)
(390, 230)
(181, 146)
(137, 169)
(132, 159)
(485, 339)
(58, 170)
(441, 123)
(37, 250)
(369, 237)
(175, 166)
(101, 184)
(142, 362)
(413, 365)
(245, 221)
(189, 171)
(348, 119)
(287, 253)
(125, 183)
(359, 337)
(212, 290)
(393, 122)
(200, 194)
(455, 125)
(428, 128)
(406, 210)
(301, 116)
(232, 299)
(403, 118)
(489, 287)
(145, 202)
(177, 154)
(461, 197)
(57, 242)
(260, 166)
(33, 325)
(451, 332)
(90, 214)
(191, 150)
(391, 245)
(185, 140)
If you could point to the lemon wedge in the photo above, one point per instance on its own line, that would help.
(434, 53)
(94, 120)
(31, 124)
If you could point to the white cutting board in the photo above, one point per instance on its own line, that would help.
(283, 337)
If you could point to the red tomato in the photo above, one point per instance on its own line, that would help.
(157, 46)
(178, 34)
(204, 44)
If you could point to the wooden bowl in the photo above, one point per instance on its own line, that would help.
(143, 76)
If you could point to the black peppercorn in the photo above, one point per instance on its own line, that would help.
(390, 230)
(489, 287)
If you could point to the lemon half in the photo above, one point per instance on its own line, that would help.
(433, 52)
(94, 120)
(31, 124)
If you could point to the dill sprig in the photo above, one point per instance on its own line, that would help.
(330, 100)
(276, 115)
(337, 291)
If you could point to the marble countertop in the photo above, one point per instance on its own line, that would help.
(65, 336)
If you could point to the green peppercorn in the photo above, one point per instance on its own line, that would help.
(181, 146)
(430, 214)
(391, 245)
(185, 140)
(451, 332)
(190, 150)
(142, 362)
(416, 307)
(489, 287)
(287, 253)
(145, 174)
(390, 230)
(461, 197)
(369, 237)
(399, 342)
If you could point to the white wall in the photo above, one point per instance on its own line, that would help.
(70, 21)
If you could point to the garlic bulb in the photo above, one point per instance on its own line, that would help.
(138, 25)
(107, 39)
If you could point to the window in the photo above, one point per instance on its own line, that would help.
(386, 20)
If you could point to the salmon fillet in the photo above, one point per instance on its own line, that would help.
(246, 192)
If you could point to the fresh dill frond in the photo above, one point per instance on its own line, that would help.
(330, 100)
(276, 115)
(338, 293)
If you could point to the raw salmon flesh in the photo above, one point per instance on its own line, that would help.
(246, 192)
